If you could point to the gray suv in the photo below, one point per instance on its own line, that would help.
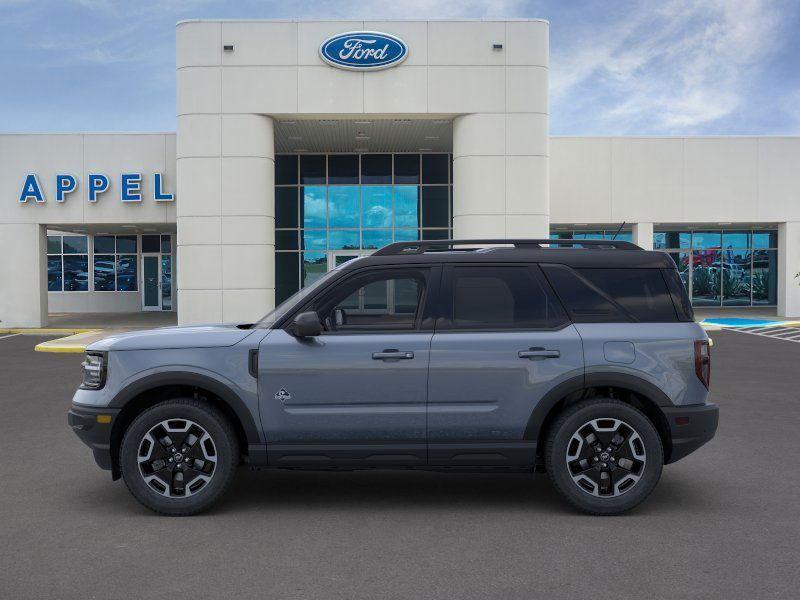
(578, 358)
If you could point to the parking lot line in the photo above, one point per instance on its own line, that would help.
(2, 337)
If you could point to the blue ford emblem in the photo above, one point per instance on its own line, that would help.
(363, 50)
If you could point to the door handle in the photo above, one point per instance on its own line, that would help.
(392, 354)
(538, 354)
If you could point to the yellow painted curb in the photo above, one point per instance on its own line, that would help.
(59, 349)
(46, 331)
(72, 343)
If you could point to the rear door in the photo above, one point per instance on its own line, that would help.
(502, 342)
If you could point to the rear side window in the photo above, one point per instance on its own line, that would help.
(607, 295)
(683, 306)
(497, 297)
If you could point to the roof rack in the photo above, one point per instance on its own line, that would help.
(420, 246)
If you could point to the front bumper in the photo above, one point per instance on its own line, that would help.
(93, 432)
(690, 428)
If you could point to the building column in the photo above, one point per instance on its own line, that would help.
(643, 235)
(501, 176)
(23, 271)
(788, 268)
(226, 222)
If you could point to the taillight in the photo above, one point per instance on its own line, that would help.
(702, 361)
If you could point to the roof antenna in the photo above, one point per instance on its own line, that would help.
(613, 237)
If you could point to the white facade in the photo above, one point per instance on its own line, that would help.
(477, 90)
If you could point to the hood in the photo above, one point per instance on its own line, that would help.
(195, 336)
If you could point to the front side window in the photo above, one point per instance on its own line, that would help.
(381, 301)
(495, 297)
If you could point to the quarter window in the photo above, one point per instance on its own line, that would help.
(493, 297)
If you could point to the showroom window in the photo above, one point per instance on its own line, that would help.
(330, 208)
(67, 263)
(722, 267)
(624, 235)
(115, 263)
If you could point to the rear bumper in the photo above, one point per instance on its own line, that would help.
(690, 428)
(83, 421)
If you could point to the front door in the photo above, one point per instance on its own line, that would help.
(355, 395)
(151, 282)
(503, 342)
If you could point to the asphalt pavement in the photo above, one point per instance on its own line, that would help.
(722, 523)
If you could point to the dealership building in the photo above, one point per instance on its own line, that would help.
(301, 145)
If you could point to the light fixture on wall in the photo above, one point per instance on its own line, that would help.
(497, 46)
(228, 48)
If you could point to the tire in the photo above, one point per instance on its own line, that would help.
(632, 469)
(207, 452)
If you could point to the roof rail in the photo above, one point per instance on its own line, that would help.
(420, 246)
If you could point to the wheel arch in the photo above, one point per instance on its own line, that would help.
(632, 390)
(149, 391)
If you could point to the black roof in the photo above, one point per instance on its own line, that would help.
(573, 253)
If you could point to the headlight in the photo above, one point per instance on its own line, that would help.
(94, 371)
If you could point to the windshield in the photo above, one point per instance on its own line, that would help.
(280, 311)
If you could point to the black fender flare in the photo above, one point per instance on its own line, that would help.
(623, 380)
(189, 378)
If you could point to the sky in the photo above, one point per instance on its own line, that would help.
(669, 67)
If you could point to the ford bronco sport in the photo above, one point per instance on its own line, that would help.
(578, 358)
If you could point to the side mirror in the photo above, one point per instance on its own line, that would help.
(306, 325)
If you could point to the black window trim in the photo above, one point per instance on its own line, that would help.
(444, 320)
(424, 322)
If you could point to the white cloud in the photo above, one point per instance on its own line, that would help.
(669, 67)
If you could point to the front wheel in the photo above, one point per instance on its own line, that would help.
(604, 456)
(179, 457)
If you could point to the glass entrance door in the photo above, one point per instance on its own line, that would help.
(336, 259)
(151, 282)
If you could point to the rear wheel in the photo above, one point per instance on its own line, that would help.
(179, 457)
(604, 456)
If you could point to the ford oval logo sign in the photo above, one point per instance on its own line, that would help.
(363, 50)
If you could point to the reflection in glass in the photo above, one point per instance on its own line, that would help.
(376, 206)
(76, 273)
(765, 277)
(376, 238)
(75, 244)
(104, 244)
(736, 278)
(126, 273)
(406, 206)
(435, 168)
(706, 239)
(314, 239)
(54, 244)
(126, 244)
(315, 265)
(166, 244)
(736, 239)
(313, 206)
(671, 239)
(343, 239)
(765, 239)
(54, 280)
(343, 206)
(166, 282)
(406, 235)
(104, 272)
(706, 277)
